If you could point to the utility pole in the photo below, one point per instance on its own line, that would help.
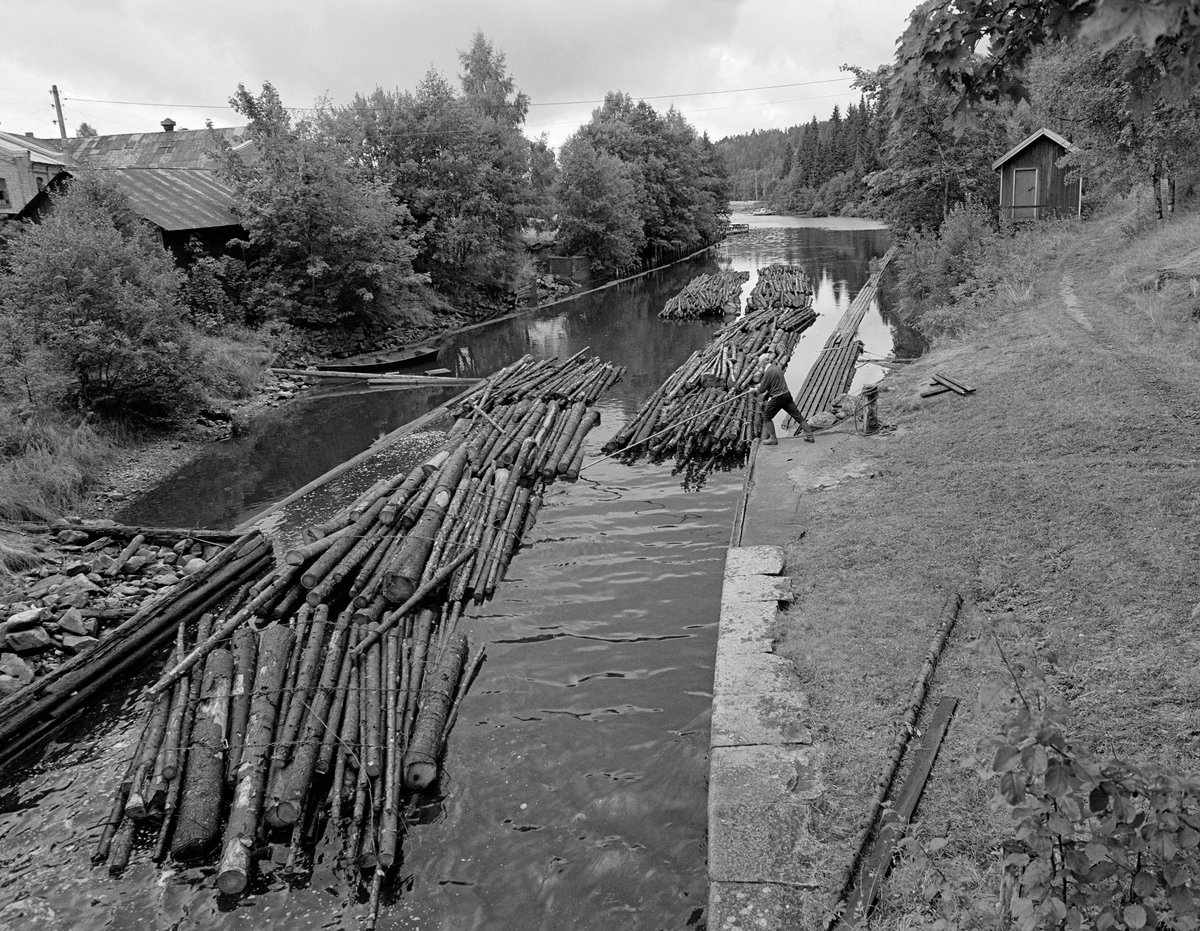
(62, 127)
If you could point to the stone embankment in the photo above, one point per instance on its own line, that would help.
(89, 581)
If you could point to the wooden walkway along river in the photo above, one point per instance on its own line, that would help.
(833, 372)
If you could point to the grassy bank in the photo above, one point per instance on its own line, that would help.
(1061, 501)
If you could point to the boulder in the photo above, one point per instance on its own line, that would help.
(22, 620)
(72, 537)
(73, 644)
(47, 584)
(193, 565)
(12, 665)
(72, 622)
(33, 640)
(8, 685)
(137, 563)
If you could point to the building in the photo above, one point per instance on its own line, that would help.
(27, 165)
(169, 178)
(1032, 186)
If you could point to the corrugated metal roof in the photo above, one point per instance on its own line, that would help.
(172, 198)
(1025, 143)
(183, 148)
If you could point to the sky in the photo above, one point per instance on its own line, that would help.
(729, 65)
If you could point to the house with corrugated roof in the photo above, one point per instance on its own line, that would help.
(169, 177)
(27, 165)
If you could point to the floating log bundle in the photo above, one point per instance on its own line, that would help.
(707, 295)
(320, 697)
(833, 373)
(707, 412)
(780, 286)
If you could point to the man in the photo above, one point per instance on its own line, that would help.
(774, 390)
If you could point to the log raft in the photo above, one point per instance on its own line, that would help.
(321, 695)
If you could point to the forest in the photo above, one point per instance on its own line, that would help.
(920, 143)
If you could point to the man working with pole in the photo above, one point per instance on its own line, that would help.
(772, 386)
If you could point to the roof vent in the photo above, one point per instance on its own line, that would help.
(168, 125)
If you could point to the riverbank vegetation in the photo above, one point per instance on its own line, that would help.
(391, 218)
(1060, 500)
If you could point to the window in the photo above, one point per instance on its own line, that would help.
(41, 183)
(3, 193)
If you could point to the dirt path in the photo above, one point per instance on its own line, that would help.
(1060, 499)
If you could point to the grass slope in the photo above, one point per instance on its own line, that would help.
(1060, 499)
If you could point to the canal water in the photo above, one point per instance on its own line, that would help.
(574, 787)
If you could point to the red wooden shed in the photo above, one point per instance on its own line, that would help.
(1032, 186)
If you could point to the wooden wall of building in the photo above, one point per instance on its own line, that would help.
(1056, 196)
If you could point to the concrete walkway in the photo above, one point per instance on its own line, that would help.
(764, 769)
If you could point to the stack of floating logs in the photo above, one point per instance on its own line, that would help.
(322, 694)
(780, 286)
(707, 412)
(706, 295)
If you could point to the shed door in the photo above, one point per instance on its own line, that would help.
(1025, 193)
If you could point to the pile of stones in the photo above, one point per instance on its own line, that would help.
(87, 584)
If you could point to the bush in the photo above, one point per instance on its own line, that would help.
(89, 294)
(46, 464)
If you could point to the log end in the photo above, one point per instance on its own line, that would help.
(398, 589)
(232, 882)
(419, 775)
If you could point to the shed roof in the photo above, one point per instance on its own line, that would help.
(172, 198)
(1024, 144)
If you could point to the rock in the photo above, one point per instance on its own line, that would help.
(76, 567)
(163, 579)
(193, 565)
(75, 600)
(73, 644)
(12, 665)
(102, 562)
(78, 583)
(169, 558)
(45, 585)
(33, 640)
(822, 420)
(137, 563)
(72, 622)
(1196, 612)
(72, 537)
(117, 496)
(182, 546)
(8, 685)
(210, 552)
(23, 620)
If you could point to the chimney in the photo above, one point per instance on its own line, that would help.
(168, 125)
(30, 135)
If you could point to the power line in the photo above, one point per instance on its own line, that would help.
(553, 103)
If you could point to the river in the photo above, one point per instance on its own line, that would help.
(574, 788)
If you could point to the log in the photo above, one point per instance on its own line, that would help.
(204, 783)
(234, 870)
(297, 775)
(414, 551)
(437, 694)
(245, 655)
(389, 819)
(126, 554)
(298, 699)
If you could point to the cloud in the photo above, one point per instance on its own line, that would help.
(124, 66)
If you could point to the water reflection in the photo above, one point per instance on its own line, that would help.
(574, 793)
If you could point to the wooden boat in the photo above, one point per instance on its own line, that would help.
(389, 361)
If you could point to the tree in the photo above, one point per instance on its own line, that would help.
(1162, 61)
(459, 162)
(86, 131)
(598, 207)
(327, 242)
(1082, 91)
(90, 294)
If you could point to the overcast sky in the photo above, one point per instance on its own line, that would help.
(124, 65)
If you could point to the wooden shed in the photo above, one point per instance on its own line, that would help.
(1032, 186)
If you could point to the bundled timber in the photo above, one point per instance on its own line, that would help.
(707, 295)
(833, 373)
(320, 698)
(707, 411)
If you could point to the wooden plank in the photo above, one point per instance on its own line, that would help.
(953, 384)
(935, 390)
(895, 822)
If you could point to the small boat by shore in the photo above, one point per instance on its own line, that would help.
(379, 362)
(762, 212)
(738, 228)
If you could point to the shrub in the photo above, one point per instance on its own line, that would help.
(46, 464)
(90, 293)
